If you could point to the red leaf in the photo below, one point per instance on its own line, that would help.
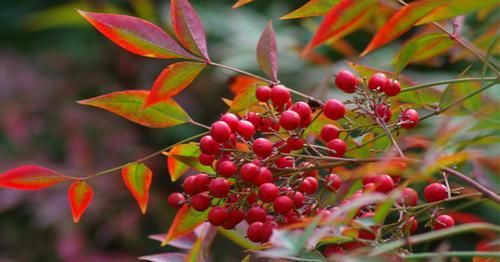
(79, 195)
(267, 52)
(401, 22)
(341, 18)
(137, 177)
(188, 28)
(30, 178)
(136, 35)
(172, 80)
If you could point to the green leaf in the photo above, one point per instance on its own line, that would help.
(137, 177)
(456, 8)
(456, 91)
(311, 8)
(383, 209)
(245, 88)
(128, 104)
(185, 221)
(182, 157)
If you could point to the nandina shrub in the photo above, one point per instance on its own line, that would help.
(291, 176)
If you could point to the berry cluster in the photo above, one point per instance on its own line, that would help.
(262, 178)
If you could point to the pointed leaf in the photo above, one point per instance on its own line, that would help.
(173, 80)
(241, 3)
(339, 19)
(128, 104)
(267, 52)
(79, 195)
(422, 48)
(185, 221)
(136, 35)
(311, 8)
(137, 177)
(456, 91)
(401, 22)
(30, 177)
(188, 28)
(182, 157)
(165, 257)
(244, 87)
(455, 8)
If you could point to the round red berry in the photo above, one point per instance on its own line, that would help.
(220, 131)
(409, 119)
(255, 119)
(298, 198)
(208, 145)
(268, 192)
(235, 217)
(176, 200)
(295, 143)
(254, 231)
(206, 160)
(262, 147)
(282, 204)
(249, 172)
(435, 192)
(267, 230)
(246, 129)
(377, 81)
(383, 112)
(334, 109)
(391, 87)
(314, 185)
(219, 187)
(200, 202)
(265, 176)
(443, 221)
(201, 182)
(409, 197)
(188, 186)
(226, 168)
(329, 132)
(383, 183)
(263, 93)
(232, 120)
(304, 110)
(339, 146)
(346, 81)
(411, 225)
(280, 95)
(256, 214)
(284, 162)
(289, 120)
(332, 182)
(218, 215)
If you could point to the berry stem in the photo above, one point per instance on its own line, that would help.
(449, 81)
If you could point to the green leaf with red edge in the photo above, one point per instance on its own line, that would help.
(182, 157)
(241, 3)
(173, 80)
(31, 177)
(185, 221)
(340, 18)
(402, 21)
(311, 8)
(137, 178)
(267, 52)
(136, 35)
(456, 8)
(421, 48)
(188, 28)
(128, 104)
(79, 195)
(244, 87)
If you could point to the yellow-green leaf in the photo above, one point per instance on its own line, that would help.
(137, 177)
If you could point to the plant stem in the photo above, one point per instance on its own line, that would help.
(488, 193)
(453, 254)
(450, 81)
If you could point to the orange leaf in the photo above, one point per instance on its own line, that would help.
(30, 178)
(79, 195)
(137, 177)
(241, 3)
(311, 8)
(185, 221)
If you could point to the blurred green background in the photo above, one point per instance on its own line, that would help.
(50, 58)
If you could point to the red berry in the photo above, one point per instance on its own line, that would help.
(262, 147)
(295, 143)
(383, 112)
(443, 221)
(208, 145)
(232, 120)
(409, 119)
(289, 120)
(249, 172)
(269, 124)
(267, 230)
(304, 110)
(435, 192)
(332, 182)
(226, 168)
(280, 95)
(246, 129)
(334, 109)
(284, 162)
(255, 119)
(263, 93)
(329, 132)
(346, 81)
(391, 87)
(220, 131)
(254, 231)
(339, 146)
(411, 225)
(206, 160)
(332, 250)
(235, 217)
(219, 187)
(200, 202)
(176, 200)
(282, 204)
(409, 197)
(268, 192)
(314, 184)
(201, 182)
(218, 215)
(298, 198)
(256, 214)
(383, 183)
(265, 176)
(188, 186)
(377, 81)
